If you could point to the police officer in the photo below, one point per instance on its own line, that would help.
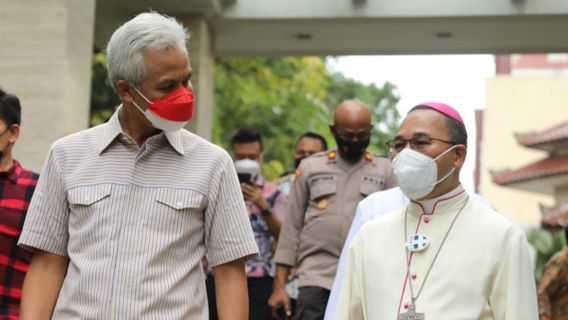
(321, 206)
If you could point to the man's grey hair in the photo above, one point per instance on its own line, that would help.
(149, 31)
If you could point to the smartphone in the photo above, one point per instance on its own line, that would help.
(245, 177)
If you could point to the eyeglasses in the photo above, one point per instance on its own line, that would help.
(417, 143)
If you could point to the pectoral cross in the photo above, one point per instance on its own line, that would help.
(411, 314)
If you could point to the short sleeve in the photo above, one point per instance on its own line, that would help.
(46, 225)
(228, 233)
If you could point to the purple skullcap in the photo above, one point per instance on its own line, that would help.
(443, 109)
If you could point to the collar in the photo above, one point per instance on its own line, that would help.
(13, 173)
(112, 129)
(449, 202)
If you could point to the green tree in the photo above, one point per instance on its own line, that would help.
(280, 97)
(546, 243)
(285, 97)
(103, 98)
(381, 100)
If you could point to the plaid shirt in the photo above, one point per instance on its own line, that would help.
(16, 188)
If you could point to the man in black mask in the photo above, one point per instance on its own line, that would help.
(351, 129)
(320, 209)
(307, 145)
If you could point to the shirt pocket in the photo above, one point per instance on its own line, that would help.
(176, 209)
(181, 200)
(85, 198)
(322, 196)
(89, 207)
(370, 184)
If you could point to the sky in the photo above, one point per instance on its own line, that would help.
(457, 80)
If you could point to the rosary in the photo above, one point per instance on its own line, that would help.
(411, 314)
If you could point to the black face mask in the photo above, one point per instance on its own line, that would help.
(351, 151)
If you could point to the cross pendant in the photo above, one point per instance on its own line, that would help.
(411, 314)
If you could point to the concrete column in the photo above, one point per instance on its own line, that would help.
(45, 59)
(202, 62)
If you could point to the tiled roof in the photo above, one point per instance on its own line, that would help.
(556, 133)
(539, 60)
(558, 217)
(541, 169)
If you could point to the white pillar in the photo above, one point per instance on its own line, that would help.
(45, 59)
(203, 63)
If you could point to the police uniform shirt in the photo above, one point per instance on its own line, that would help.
(320, 209)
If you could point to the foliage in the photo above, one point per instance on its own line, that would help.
(381, 101)
(546, 243)
(285, 97)
(280, 97)
(103, 98)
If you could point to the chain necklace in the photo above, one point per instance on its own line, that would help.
(411, 314)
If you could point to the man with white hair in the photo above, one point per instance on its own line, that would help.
(124, 212)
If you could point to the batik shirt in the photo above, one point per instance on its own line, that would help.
(553, 290)
(262, 265)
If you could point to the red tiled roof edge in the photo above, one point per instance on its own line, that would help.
(558, 217)
(541, 169)
(556, 133)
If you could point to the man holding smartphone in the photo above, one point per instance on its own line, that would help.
(266, 207)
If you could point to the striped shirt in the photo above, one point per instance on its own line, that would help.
(135, 222)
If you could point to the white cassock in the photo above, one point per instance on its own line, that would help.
(374, 206)
(482, 272)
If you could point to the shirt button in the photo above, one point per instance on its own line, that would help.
(413, 276)
(427, 219)
(406, 306)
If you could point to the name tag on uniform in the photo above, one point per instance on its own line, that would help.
(374, 180)
(321, 178)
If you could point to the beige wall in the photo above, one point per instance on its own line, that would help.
(518, 105)
(45, 59)
(561, 195)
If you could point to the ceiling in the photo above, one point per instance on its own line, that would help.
(239, 31)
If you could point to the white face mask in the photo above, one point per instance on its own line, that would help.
(416, 173)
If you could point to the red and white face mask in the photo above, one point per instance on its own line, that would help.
(170, 113)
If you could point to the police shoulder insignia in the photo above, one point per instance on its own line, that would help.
(332, 155)
(368, 156)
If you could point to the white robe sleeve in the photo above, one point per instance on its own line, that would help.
(513, 294)
(339, 276)
(350, 304)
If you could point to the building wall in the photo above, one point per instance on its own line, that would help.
(517, 104)
(45, 59)
(561, 195)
